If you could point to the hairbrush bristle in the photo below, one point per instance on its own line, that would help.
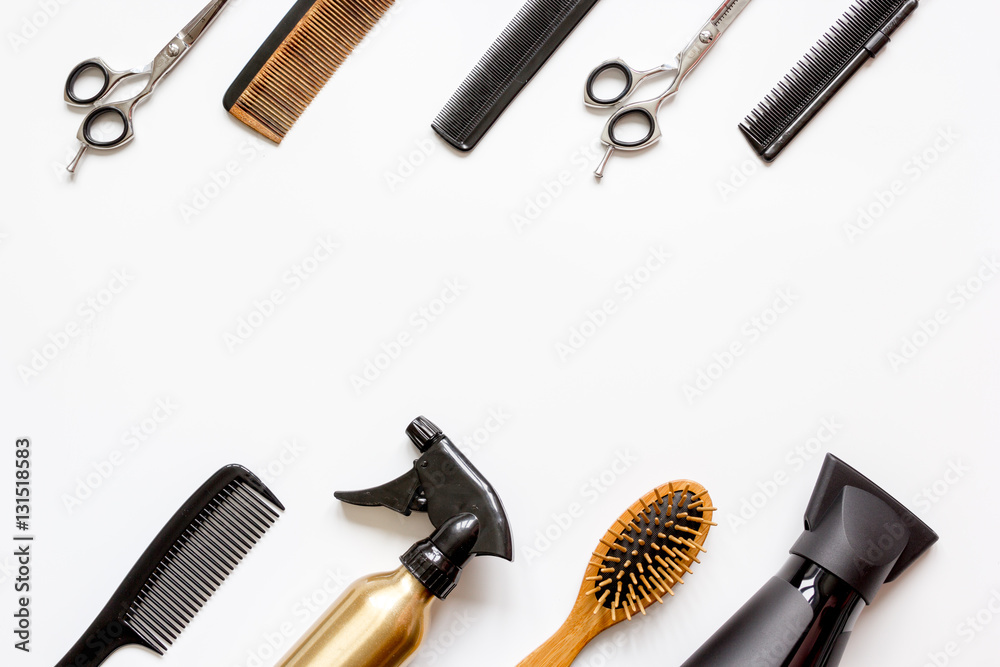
(649, 549)
(517, 54)
(200, 560)
(811, 78)
(298, 59)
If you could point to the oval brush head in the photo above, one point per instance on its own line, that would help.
(642, 558)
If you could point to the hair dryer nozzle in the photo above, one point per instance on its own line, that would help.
(857, 531)
(856, 538)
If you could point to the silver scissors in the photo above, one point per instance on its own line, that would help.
(121, 111)
(647, 110)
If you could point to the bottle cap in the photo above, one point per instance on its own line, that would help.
(437, 561)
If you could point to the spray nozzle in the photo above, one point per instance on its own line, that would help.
(445, 484)
(859, 532)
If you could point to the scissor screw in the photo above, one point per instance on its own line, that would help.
(706, 37)
(173, 50)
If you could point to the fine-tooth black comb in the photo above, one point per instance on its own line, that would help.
(186, 562)
(516, 56)
(860, 35)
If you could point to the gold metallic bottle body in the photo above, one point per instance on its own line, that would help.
(377, 622)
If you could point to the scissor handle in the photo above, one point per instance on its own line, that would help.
(121, 110)
(78, 71)
(633, 79)
(646, 111)
(591, 98)
(111, 79)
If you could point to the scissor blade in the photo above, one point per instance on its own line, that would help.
(727, 13)
(193, 30)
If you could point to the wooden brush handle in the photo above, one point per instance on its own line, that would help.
(561, 649)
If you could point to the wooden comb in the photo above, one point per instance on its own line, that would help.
(296, 61)
(642, 557)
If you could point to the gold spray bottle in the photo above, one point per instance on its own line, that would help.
(379, 620)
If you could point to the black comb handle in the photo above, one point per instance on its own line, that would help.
(106, 635)
(181, 568)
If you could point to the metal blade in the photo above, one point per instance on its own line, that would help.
(193, 30)
(727, 14)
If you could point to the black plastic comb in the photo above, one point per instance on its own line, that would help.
(516, 56)
(189, 559)
(860, 35)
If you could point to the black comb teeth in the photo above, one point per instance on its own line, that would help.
(217, 540)
(183, 566)
(514, 58)
(841, 52)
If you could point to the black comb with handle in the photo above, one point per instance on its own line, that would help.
(186, 562)
(855, 39)
(516, 56)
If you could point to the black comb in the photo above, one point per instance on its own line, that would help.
(189, 559)
(860, 35)
(516, 56)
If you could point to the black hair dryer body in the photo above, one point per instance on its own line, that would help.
(857, 537)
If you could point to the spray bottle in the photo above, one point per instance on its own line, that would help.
(379, 620)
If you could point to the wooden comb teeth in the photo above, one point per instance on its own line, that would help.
(296, 61)
(641, 559)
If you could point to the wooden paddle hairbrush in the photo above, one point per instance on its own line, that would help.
(642, 557)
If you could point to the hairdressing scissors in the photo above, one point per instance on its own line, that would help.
(121, 111)
(647, 110)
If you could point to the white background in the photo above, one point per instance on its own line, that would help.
(193, 277)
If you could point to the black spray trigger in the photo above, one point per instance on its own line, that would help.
(443, 483)
(402, 495)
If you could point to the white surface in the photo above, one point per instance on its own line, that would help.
(495, 347)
